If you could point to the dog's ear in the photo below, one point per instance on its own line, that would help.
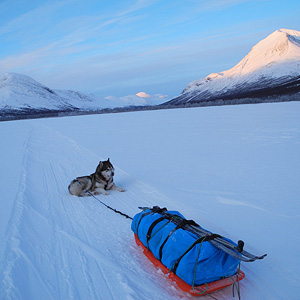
(99, 166)
(108, 160)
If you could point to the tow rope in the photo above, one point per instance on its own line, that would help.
(201, 240)
(107, 206)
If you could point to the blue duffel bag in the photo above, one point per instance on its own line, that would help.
(194, 260)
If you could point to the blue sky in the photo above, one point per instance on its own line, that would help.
(119, 48)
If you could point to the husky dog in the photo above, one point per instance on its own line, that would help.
(96, 183)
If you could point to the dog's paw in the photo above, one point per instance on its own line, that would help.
(121, 190)
(96, 193)
(106, 193)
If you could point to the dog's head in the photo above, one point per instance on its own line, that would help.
(106, 169)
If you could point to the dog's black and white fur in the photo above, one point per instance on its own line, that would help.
(96, 183)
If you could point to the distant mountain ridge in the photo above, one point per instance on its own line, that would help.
(18, 92)
(23, 97)
(269, 72)
(271, 68)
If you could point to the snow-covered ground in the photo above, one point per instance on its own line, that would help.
(233, 169)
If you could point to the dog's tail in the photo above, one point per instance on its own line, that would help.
(75, 188)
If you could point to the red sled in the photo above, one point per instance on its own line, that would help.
(199, 290)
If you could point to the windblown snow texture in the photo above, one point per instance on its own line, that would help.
(271, 68)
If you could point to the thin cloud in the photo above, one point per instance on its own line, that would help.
(29, 18)
(136, 100)
(143, 95)
(133, 46)
(138, 5)
(76, 35)
(218, 4)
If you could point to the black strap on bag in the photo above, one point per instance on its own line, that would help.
(142, 216)
(198, 241)
(155, 209)
(162, 245)
(152, 226)
(180, 225)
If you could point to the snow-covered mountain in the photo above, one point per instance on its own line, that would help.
(19, 92)
(271, 68)
(22, 95)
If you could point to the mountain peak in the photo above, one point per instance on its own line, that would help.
(288, 31)
(283, 45)
(12, 78)
(274, 61)
(22, 93)
(280, 46)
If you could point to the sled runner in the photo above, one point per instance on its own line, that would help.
(199, 290)
(198, 261)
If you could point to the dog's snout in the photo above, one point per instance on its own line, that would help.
(112, 173)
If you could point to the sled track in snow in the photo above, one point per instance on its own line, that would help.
(57, 239)
(12, 253)
(55, 246)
